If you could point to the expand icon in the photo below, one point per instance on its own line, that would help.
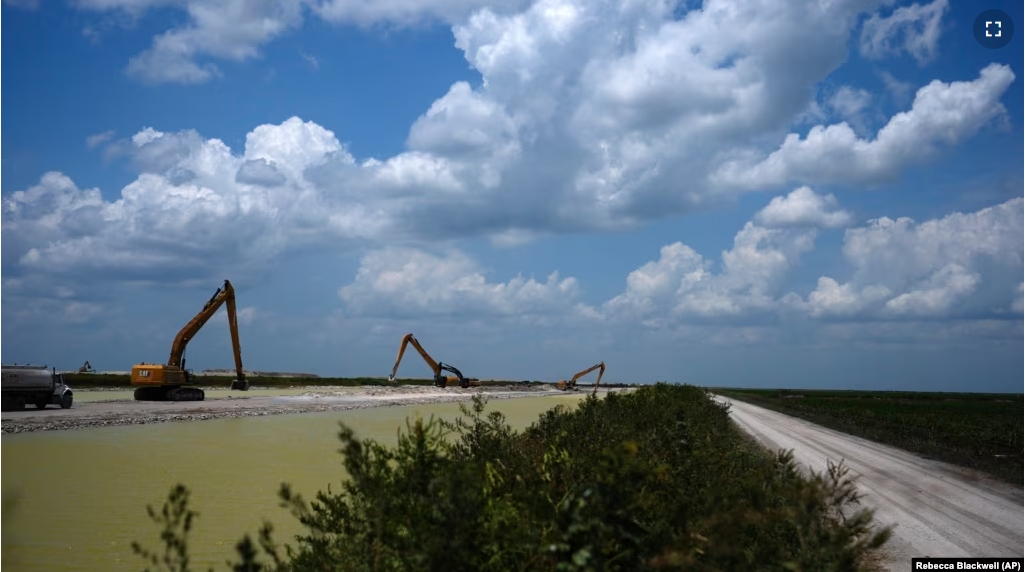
(993, 29)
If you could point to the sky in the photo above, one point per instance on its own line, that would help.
(740, 193)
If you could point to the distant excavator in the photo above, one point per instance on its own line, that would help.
(436, 367)
(168, 382)
(572, 383)
(86, 368)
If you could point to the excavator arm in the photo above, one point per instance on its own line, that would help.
(564, 385)
(436, 367)
(185, 335)
(170, 381)
(409, 339)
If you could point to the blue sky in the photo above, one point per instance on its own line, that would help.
(723, 193)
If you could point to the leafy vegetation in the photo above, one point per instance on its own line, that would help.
(656, 479)
(975, 430)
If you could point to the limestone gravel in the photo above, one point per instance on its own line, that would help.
(937, 509)
(114, 412)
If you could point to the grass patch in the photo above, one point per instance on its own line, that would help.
(656, 479)
(975, 430)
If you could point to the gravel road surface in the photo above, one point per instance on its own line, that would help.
(937, 509)
(126, 411)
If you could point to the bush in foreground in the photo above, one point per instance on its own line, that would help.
(658, 479)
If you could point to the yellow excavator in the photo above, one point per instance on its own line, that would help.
(167, 382)
(440, 380)
(572, 383)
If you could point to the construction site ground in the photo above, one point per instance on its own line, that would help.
(936, 509)
(100, 408)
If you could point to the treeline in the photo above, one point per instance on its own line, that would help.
(656, 479)
(891, 395)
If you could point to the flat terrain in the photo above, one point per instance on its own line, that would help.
(126, 411)
(974, 430)
(938, 509)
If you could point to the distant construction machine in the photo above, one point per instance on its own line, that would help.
(167, 382)
(86, 368)
(572, 383)
(436, 367)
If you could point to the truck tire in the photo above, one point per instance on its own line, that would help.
(19, 403)
(66, 401)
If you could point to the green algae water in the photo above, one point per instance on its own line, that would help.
(84, 395)
(75, 500)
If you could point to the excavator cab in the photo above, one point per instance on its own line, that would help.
(443, 381)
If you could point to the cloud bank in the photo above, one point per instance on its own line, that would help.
(591, 117)
(964, 265)
(569, 132)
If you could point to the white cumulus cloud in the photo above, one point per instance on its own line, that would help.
(964, 264)
(405, 282)
(942, 113)
(592, 116)
(195, 210)
(915, 29)
(232, 30)
(406, 13)
(682, 285)
(803, 206)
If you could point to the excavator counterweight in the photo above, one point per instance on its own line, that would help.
(572, 383)
(440, 380)
(168, 382)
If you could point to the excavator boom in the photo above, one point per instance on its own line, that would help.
(410, 339)
(164, 381)
(565, 385)
(436, 367)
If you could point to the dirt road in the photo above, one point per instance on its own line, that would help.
(938, 510)
(126, 411)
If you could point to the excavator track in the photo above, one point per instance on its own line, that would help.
(186, 394)
(169, 394)
(150, 393)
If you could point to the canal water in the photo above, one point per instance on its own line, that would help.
(75, 500)
(129, 395)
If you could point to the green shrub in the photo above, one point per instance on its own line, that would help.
(658, 479)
